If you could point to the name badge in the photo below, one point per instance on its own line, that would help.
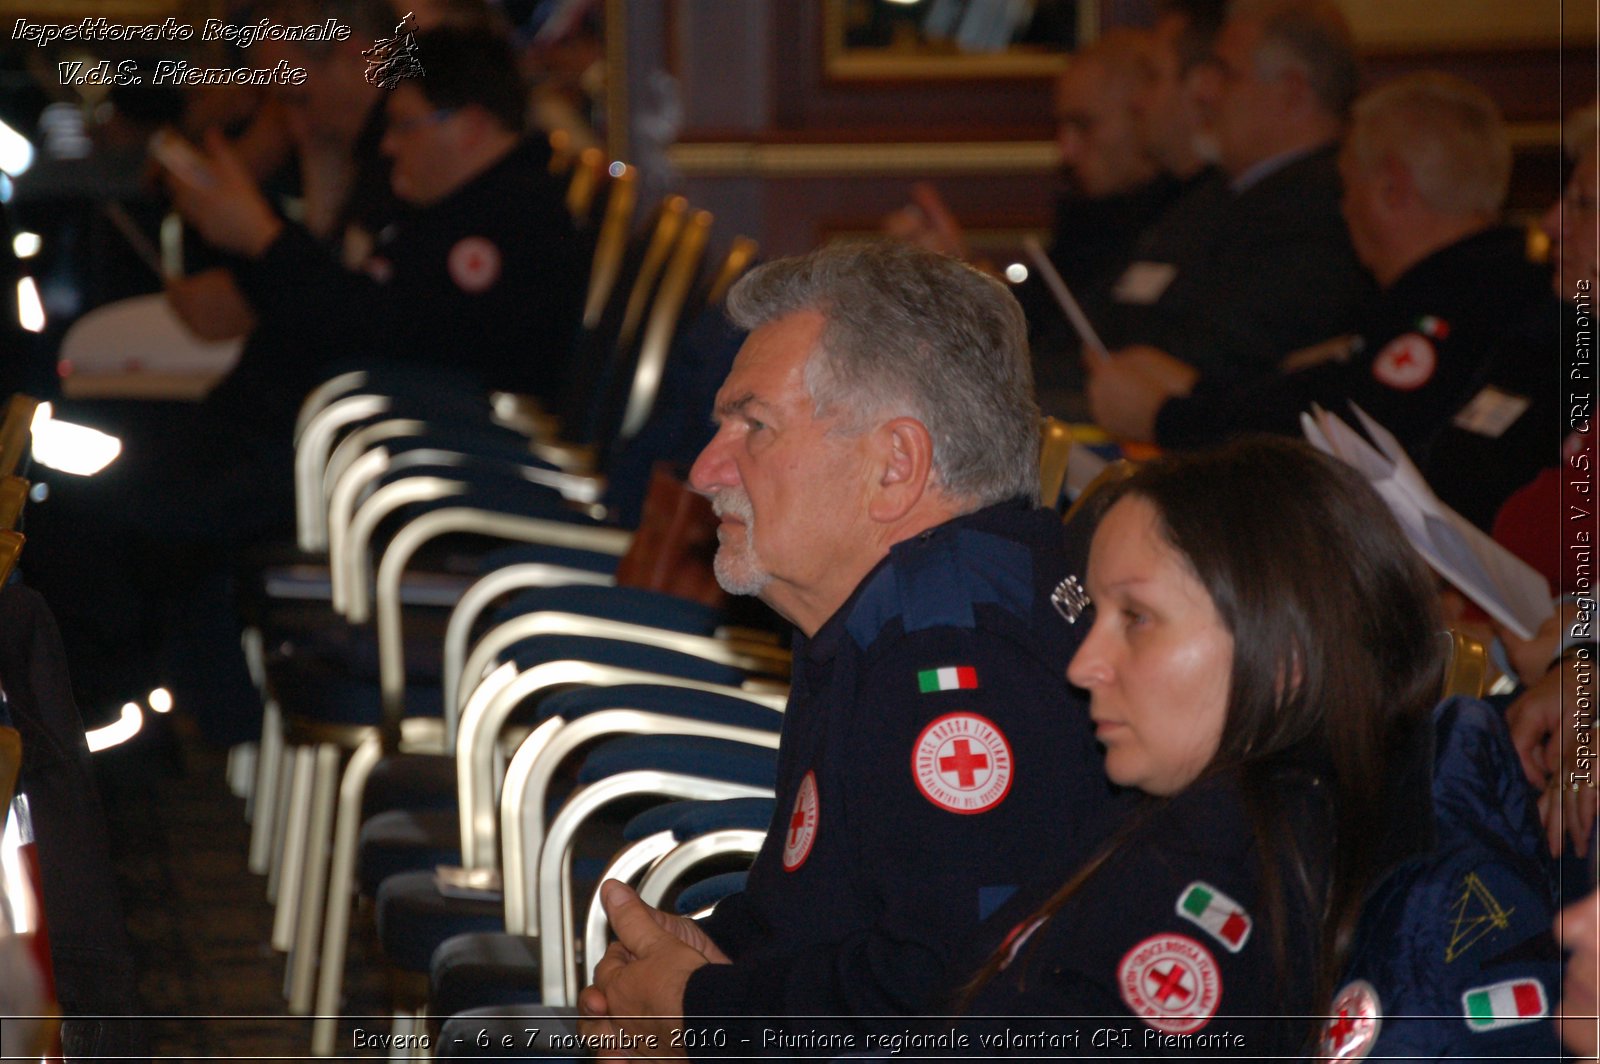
(1491, 412)
(1144, 282)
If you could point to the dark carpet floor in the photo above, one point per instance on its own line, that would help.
(210, 983)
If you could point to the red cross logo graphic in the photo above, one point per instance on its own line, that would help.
(1406, 363)
(474, 263)
(802, 832)
(1340, 1029)
(1169, 983)
(964, 763)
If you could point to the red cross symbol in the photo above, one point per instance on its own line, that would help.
(1340, 1029)
(1171, 982)
(796, 822)
(1403, 358)
(964, 763)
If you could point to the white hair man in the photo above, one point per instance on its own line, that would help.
(875, 466)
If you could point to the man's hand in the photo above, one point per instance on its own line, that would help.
(1540, 730)
(1127, 390)
(211, 305)
(1578, 930)
(639, 984)
(230, 212)
(928, 223)
(1532, 657)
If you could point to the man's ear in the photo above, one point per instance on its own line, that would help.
(1399, 184)
(903, 454)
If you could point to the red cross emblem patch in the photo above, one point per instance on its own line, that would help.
(1406, 363)
(1171, 982)
(801, 830)
(962, 763)
(1353, 1023)
(474, 264)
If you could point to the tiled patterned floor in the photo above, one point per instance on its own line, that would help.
(209, 979)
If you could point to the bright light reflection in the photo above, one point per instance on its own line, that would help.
(1016, 273)
(69, 448)
(27, 245)
(16, 154)
(160, 700)
(30, 311)
(14, 880)
(118, 731)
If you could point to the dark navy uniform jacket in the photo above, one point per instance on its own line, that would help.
(1239, 279)
(1512, 424)
(1454, 946)
(1168, 943)
(487, 280)
(933, 758)
(1423, 345)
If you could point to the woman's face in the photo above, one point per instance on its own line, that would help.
(1157, 660)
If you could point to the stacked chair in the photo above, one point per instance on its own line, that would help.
(445, 651)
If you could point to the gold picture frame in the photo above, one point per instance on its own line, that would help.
(844, 61)
(1466, 25)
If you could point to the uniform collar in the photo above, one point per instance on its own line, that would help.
(835, 630)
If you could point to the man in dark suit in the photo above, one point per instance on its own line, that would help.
(1256, 261)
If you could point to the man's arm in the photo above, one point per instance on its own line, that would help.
(971, 770)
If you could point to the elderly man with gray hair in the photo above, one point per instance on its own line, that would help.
(1425, 169)
(875, 472)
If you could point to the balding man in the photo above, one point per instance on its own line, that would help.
(1256, 262)
(1112, 187)
(874, 468)
(1425, 170)
(1173, 124)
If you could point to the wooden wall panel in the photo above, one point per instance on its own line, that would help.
(791, 156)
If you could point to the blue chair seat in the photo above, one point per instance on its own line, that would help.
(413, 918)
(478, 970)
(406, 840)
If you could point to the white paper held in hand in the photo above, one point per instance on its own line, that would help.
(1505, 586)
(1069, 305)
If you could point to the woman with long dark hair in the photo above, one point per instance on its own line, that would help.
(1262, 660)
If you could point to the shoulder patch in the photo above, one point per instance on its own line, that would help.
(1171, 982)
(1354, 1020)
(948, 678)
(1507, 1004)
(1406, 363)
(802, 826)
(1219, 915)
(962, 763)
(1475, 914)
(1431, 326)
(936, 582)
(474, 264)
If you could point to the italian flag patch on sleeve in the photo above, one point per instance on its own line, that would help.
(1489, 1008)
(951, 678)
(1222, 918)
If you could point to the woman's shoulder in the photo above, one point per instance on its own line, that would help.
(1177, 927)
(1216, 819)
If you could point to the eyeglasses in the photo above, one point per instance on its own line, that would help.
(401, 126)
